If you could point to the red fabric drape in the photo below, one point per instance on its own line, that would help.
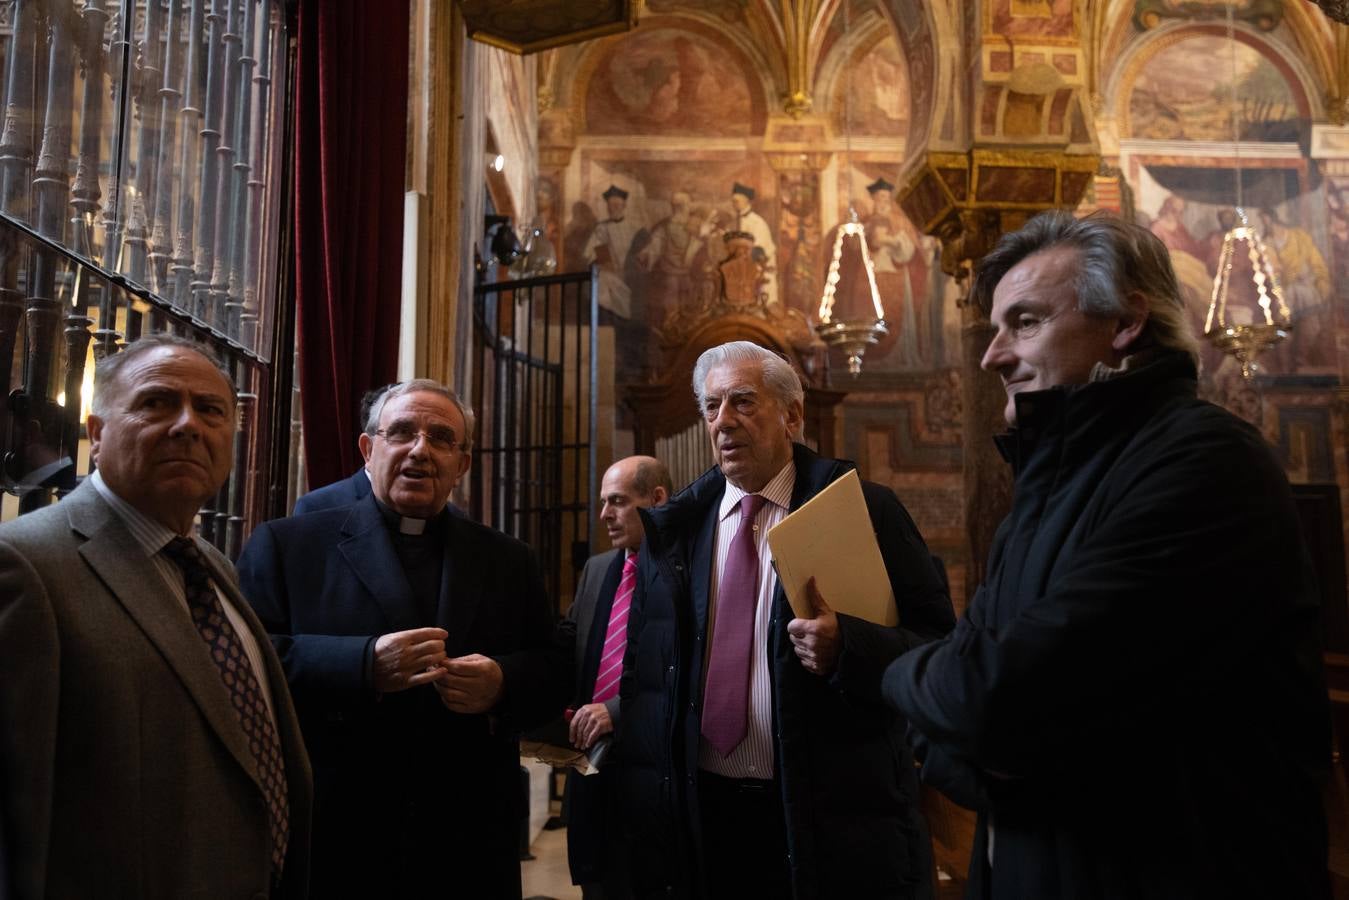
(350, 146)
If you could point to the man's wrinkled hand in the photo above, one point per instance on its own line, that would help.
(405, 659)
(816, 640)
(590, 723)
(469, 684)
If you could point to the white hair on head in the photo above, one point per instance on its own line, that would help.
(778, 375)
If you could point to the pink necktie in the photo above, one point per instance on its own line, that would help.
(616, 637)
(726, 698)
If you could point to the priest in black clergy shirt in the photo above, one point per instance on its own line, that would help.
(417, 644)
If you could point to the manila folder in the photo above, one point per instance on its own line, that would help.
(830, 537)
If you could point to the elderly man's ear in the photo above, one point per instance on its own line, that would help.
(1128, 329)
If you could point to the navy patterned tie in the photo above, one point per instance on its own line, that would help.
(245, 693)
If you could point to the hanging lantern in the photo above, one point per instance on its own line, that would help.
(853, 336)
(1247, 327)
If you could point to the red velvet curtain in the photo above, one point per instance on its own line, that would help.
(350, 146)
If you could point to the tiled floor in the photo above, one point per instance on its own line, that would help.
(546, 875)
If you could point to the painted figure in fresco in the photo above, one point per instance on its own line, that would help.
(576, 237)
(667, 256)
(546, 211)
(753, 224)
(892, 253)
(712, 249)
(798, 227)
(1305, 279)
(608, 247)
(1170, 227)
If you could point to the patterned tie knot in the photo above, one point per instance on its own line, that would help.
(184, 552)
(629, 565)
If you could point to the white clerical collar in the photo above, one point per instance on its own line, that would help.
(409, 525)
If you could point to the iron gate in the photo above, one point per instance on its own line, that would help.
(534, 385)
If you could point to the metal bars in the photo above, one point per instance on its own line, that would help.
(174, 124)
(534, 382)
(140, 191)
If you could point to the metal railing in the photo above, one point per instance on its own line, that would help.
(86, 316)
(146, 137)
(142, 175)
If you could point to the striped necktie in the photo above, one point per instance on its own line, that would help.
(242, 684)
(616, 636)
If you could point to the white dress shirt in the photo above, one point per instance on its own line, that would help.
(152, 537)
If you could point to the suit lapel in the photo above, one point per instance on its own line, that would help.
(122, 565)
(368, 550)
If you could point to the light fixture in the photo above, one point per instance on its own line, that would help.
(1244, 330)
(498, 163)
(855, 335)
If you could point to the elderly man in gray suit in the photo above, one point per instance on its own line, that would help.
(599, 616)
(148, 746)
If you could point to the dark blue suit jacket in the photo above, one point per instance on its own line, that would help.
(398, 777)
(339, 493)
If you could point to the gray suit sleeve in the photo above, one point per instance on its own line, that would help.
(29, 688)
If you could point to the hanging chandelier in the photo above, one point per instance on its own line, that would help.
(1240, 328)
(851, 336)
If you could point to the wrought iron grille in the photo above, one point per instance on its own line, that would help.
(141, 188)
(534, 384)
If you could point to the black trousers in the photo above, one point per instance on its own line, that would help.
(744, 838)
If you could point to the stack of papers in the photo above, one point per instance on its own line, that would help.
(830, 539)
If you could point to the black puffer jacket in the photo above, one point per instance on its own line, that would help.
(1141, 667)
(848, 782)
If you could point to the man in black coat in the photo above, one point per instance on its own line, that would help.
(597, 625)
(756, 756)
(416, 644)
(1134, 701)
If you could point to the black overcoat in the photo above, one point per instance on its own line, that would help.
(849, 787)
(1134, 698)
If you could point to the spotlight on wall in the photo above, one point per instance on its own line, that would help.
(498, 163)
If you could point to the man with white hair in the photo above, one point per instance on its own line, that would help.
(756, 756)
(1134, 701)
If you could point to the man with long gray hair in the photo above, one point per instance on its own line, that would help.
(1134, 700)
(756, 756)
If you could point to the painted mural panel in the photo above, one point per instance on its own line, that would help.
(670, 81)
(1197, 86)
(656, 224)
(1184, 92)
(880, 93)
(1191, 215)
(1037, 19)
(909, 280)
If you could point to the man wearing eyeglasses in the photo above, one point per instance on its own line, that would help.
(416, 644)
